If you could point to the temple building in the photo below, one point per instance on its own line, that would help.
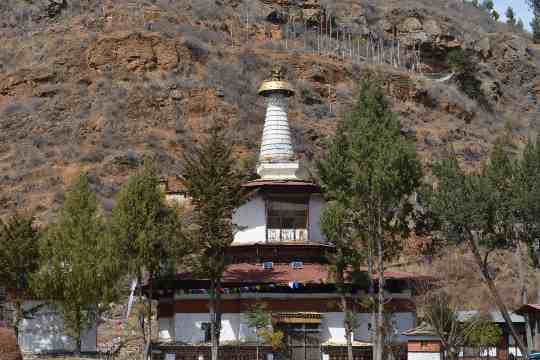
(278, 257)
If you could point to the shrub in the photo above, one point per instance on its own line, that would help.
(464, 66)
(457, 61)
(198, 50)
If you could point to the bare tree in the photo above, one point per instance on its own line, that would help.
(441, 313)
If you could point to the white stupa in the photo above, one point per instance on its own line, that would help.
(277, 160)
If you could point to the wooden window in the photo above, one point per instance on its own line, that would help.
(302, 341)
(287, 218)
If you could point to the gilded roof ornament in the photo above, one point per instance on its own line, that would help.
(277, 72)
(276, 83)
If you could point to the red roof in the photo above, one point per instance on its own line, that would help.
(284, 274)
(528, 309)
(288, 184)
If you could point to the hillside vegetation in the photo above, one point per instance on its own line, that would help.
(95, 85)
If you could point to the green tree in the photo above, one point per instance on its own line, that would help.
(258, 319)
(520, 25)
(477, 209)
(214, 186)
(510, 16)
(485, 334)
(465, 70)
(380, 171)
(336, 224)
(527, 213)
(19, 258)
(495, 15)
(534, 5)
(475, 3)
(78, 264)
(146, 231)
(535, 27)
(488, 5)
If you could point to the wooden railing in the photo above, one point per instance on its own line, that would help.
(287, 235)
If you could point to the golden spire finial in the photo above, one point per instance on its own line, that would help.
(277, 72)
(276, 83)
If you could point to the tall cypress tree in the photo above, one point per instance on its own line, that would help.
(214, 186)
(19, 258)
(78, 265)
(337, 223)
(146, 231)
(380, 171)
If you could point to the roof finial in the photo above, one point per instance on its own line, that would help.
(276, 83)
(277, 72)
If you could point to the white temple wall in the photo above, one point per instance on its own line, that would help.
(45, 333)
(316, 204)
(251, 219)
(166, 329)
(423, 356)
(332, 329)
(188, 327)
(401, 322)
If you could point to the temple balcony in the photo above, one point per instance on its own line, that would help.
(287, 235)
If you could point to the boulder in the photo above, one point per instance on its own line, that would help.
(484, 47)
(410, 25)
(432, 28)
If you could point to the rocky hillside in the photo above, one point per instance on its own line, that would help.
(94, 85)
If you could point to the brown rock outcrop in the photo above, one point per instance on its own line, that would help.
(135, 52)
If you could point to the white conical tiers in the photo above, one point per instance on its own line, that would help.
(277, 160)
(276, 142)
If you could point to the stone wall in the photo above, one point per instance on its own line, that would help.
(340, 353)
(247, 352)
(202, 352)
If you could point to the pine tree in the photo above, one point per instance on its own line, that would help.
(214, 186)
(527, 210)
(379, 171)
(78, 265)
(535, 27)
(510, 16)
(19, 258)
(479, 210)
(534, 5)
(336, 224)
(520, 25)
(487, 5)
(146, 231)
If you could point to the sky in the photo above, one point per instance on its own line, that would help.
(520, 7)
